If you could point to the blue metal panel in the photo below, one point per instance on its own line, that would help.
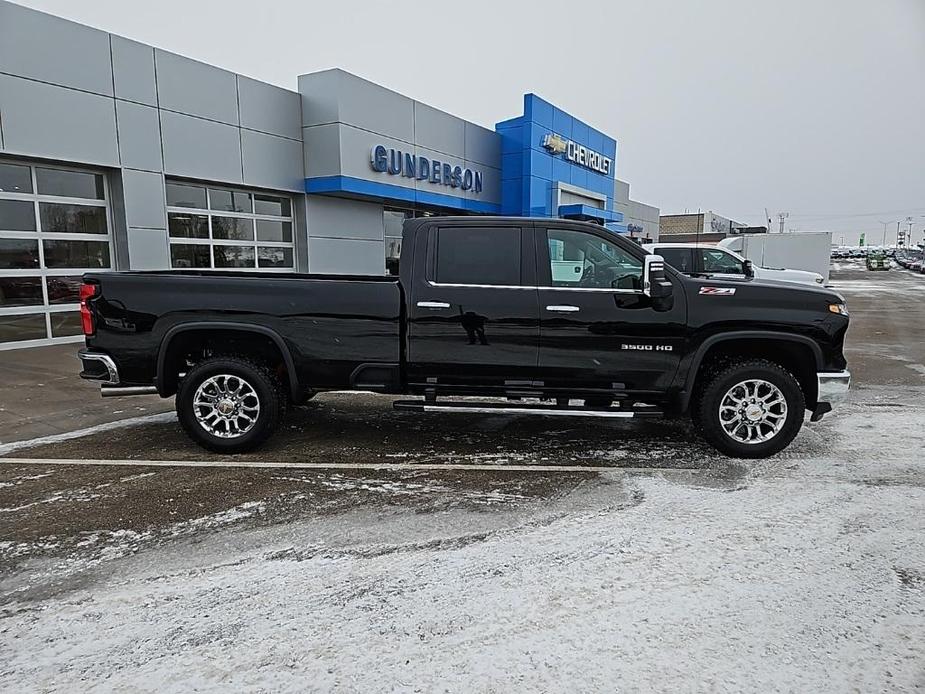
(512, 165)
(578, 177)
(562, 123)
(386, 191)
(561, 170)
(538, 110)
(539, 169)
(539, 195)
(581, 134)
(540, 164)
(511, 196)
(579, 210)
(596, 140)
(534, 134)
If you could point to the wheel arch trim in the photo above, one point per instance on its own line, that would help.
(275, 337)
(687, 393)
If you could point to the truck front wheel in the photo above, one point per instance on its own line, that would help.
(749, 409)
(229, 404)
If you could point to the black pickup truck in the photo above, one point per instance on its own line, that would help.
(488, 314)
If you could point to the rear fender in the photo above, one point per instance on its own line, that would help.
(161, 379)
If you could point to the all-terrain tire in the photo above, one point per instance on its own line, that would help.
(263, 389)
(718, 382)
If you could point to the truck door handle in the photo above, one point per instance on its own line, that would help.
(433, 304)
(563, 308)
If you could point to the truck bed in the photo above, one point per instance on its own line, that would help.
(331, 324)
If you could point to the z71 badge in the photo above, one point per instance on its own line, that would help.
(718, 291)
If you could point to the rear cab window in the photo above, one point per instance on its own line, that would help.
(478, 256)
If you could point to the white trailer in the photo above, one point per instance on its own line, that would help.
(792, 250)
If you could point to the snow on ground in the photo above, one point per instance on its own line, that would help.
(805, 572)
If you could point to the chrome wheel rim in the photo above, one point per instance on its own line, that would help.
(753, 411)
(226, 406)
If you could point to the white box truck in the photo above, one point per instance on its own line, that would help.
(791, 250)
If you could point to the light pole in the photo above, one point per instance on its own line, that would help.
(883, 242)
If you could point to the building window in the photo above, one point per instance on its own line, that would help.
(54, 226)
(392, 221)
(224, 228)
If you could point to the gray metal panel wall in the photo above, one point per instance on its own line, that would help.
(439, 131)
(139, 136)
(343, 218)
(346, 256)
(336, 95)
(318, 92)
(50, 49)
(170, 114)
(143, 193)
(133, 71)
(43, 120)
(147, 249)
(269, 109)
(272, 162)
(198, 148)
(321, 150)
(188, 86)
(345, 116)
(483, 146)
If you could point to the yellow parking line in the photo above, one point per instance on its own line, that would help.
(494, 467)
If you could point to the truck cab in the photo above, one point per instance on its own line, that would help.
(551, 307)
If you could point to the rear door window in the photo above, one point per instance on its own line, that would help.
(681, 259)
(478, 255)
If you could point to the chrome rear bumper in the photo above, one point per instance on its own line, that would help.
(101, 367)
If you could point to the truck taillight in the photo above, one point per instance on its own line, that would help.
(87, 291)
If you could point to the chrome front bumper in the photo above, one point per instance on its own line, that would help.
(833, 386)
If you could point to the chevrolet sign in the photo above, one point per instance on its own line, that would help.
(576, 153)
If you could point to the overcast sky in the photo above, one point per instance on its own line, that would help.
(815, 107)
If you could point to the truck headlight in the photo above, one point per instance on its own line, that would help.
(838, 308)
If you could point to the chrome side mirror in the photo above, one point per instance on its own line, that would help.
(655, 283)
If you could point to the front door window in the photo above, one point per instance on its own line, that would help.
(587, 261)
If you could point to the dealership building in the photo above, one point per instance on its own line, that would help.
(118, 155)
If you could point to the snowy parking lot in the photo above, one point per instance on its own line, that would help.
(550, 556)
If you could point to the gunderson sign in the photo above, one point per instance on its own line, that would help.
(576, 153)
(397, 163)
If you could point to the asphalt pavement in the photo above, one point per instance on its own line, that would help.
(637, 559)
(40, 396)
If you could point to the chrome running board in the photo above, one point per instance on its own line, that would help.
(544, 410)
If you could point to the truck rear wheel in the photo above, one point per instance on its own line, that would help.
(749, 409)
(229, 404)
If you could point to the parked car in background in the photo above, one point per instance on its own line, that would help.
(877, 260)
(909, 259)
(711, 261)
(795, 250)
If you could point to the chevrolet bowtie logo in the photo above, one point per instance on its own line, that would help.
(555, 143)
